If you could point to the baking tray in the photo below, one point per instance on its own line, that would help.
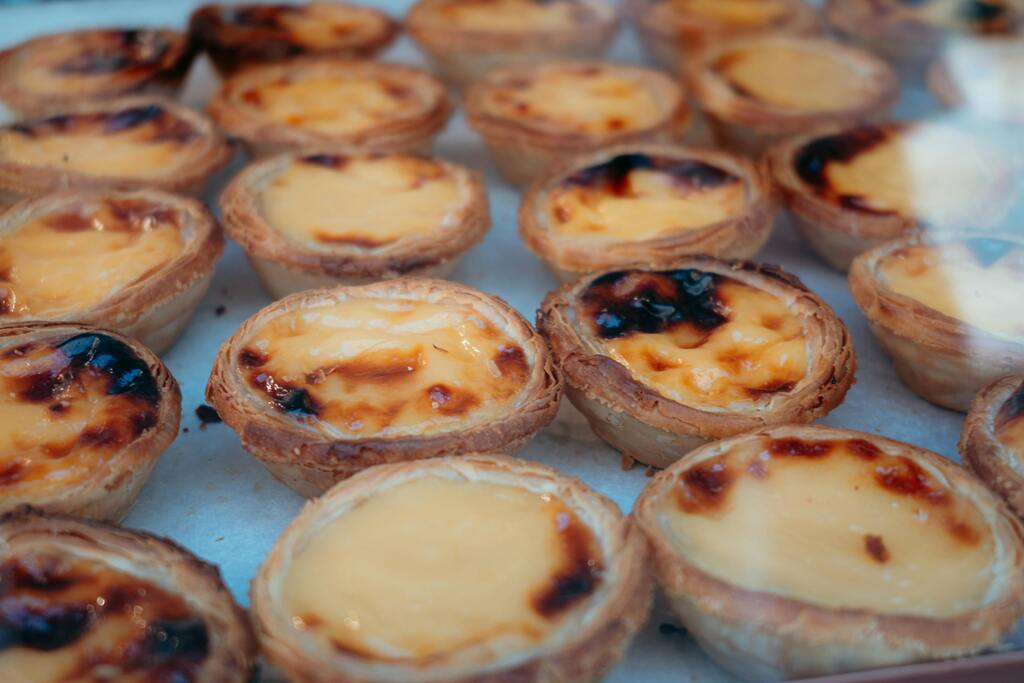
(209, 495)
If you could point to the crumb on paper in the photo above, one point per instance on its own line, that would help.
(207, 415)
(220, 310)
(650, 471)
(668, 629)
(627, 462)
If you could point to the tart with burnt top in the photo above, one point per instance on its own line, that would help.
(237, 36)
(672, 31)
(944, 308)
(86, 413)
(332, 104)
(477, 568)
(136, 262)
(758, 90)
(802, 551)
(992, 441)
(325, 383)
(334, 219)
(56, 73)
(84, 601)
(850, 189)
(981, 77)
(126, 144)
(464, 39)
(645, 204)
(531, 117)
(660, 361)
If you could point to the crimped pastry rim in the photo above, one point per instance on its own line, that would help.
(1000, 467)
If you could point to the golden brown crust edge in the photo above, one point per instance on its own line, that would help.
(310, 463)
(587, 653)
(764, 636)
(991, 460)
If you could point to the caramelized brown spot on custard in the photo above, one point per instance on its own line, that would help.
(131, 52)
(580, 573)
(285, 397)
(450, 400)
(251, 358)
(779, 387)
(130, 215)
(812, 160)
(798, 448)
(151, 123)
(875, 547)
(905, 477)
(703, 488)
(612, 176)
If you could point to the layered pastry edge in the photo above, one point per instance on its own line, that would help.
(985, 450)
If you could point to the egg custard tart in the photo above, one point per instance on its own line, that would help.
(758, 90)
(83, 601)
(646, 203)
(800, 551)
(661, 361)
(236, 36)
(464, 39)
(136, 262)
(326, 103)
(532, 117)
(481, 568)
(992, 442)
(674, 30)
(85, 415)
(322, 384)
(945, 309)
(55, 73)
(328, 219)
(127, 143)
(850, 189)
(982, 77)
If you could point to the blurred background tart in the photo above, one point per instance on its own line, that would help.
(982, 78)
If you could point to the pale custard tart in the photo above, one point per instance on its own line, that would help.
(237, 36)
(86, 413)
(127, 143)
(982, 77)
(136, 262)
(946, 310)
(531, 117)
(646, 203)
(334, 104)
(453, 570)
(330, 219)
(850, 189)
(55, 73)
(800, 551)
(83, 601)
(992, 442)
(322, 384)
(758, 90)
(672, 31)
(661, 361)
(464, 39)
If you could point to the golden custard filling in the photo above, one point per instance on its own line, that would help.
(385, 367)
(836, 523)
(436, 565)
(78, 619)
(575, 99)
(698, 338)
(57, 263)
(371, 201)
(807, 77)
(513, 16)
(144, 141)
(317, 25)
(1009, 423)
(934, 173)
(979, 281)
(337, 103)
(635, 197)
(740, 13)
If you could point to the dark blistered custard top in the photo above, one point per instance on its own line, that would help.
(67, 620)
(695, 336)
(843, 522)
(67, 406)
(1009, 422)
(970, 16)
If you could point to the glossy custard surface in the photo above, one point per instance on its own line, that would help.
(360, 201)
(739, 13)
(57, 263)
(979, 281)
(77, 620)
(575, 99)
(66, 406)
(840, 524)
(698, 338)
(933, 173)
(316, 25)
(805, 77)
(385, 367)
(512, 16)
(635, 197)
(435, 565)
(139, 142)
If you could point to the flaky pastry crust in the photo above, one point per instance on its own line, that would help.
(761, 635)
(994, 462)
(651, 428)
(310, 462)
(580, 650)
